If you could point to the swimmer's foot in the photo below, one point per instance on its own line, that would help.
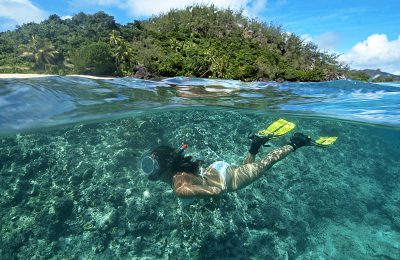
(256, 142)
(299, 139)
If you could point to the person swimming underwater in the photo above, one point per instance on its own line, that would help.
(169, 165)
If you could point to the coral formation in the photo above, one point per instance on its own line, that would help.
(76, 192)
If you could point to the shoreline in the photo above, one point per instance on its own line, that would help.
(35, 75)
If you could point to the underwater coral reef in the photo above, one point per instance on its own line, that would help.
(76, 192)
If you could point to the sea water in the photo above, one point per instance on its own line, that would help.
(70, 186)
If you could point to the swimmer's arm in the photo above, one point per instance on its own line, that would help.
(186, 190)
(186, 185)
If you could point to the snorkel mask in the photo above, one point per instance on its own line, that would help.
(151, 168)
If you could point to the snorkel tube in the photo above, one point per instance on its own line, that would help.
(182, 150)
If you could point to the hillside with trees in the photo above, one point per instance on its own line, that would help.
(371, 75)
(198, 41)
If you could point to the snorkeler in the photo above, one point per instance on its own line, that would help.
(169, 165)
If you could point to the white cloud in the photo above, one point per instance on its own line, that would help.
(65, 17)
(108, 2)
(307, 37)
(148, 8)
(20, 11)
(79, 5)
(102, 2)
(375, 52)
(145, 8)
(254, 8)
(326, 41)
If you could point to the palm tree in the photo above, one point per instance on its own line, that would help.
(121, 51)
(41, 50)
(116, 43)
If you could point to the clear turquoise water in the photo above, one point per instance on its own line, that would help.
(55, 101)
(70, 185)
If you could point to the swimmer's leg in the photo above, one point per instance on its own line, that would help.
(241, 176)
(250, 158)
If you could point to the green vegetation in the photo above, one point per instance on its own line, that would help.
(371, 75)
(199, 41)
(357, 75)
(40, 51)
(94, 59)
(385, 79)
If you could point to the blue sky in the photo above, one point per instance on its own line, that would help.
(366, 33)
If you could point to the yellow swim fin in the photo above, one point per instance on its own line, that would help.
(278, 128)
(325, 141)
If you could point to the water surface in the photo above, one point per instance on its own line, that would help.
(52, 101)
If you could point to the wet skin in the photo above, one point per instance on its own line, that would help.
(211, 184)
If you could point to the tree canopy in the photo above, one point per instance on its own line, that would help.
(94, 59)
(198, 41)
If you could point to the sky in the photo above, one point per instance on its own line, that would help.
(366, 33)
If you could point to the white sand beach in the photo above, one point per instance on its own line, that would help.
(24, 76)
(90, 77)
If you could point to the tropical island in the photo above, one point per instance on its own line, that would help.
(198, 41)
